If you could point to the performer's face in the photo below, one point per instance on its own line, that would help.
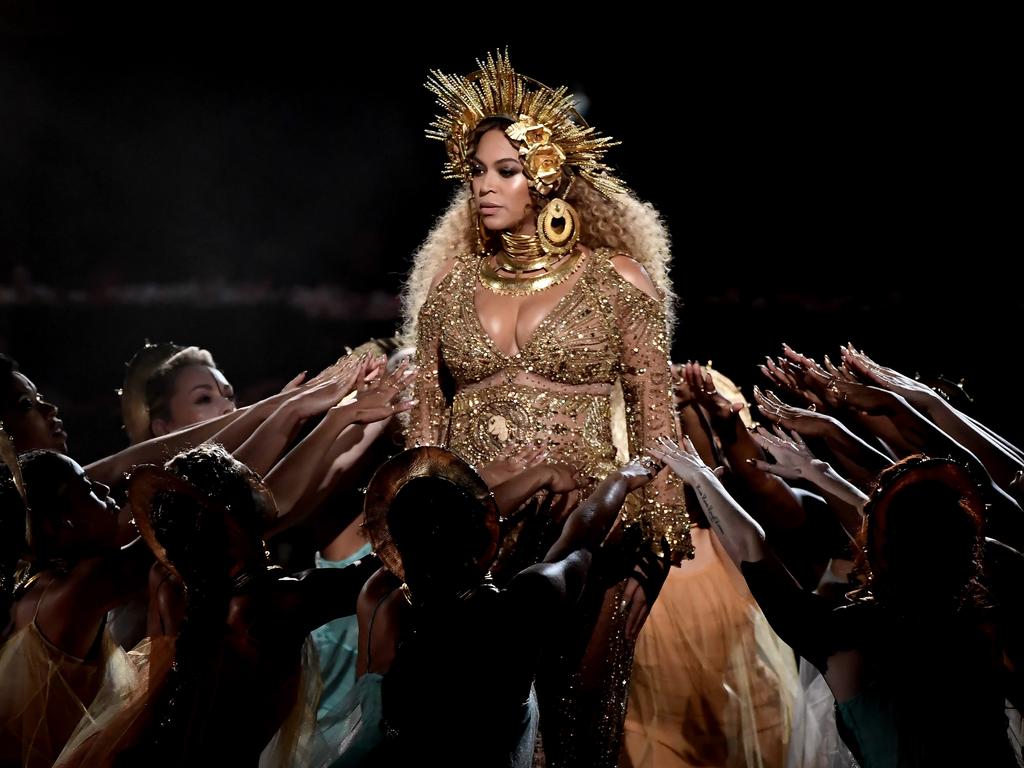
(200, 393)
(86, 518)
(499, 186)
(29, 419)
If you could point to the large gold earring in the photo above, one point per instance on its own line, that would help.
(558, 227)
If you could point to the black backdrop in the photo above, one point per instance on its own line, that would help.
(258, 188)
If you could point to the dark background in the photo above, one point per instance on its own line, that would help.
(258, 187)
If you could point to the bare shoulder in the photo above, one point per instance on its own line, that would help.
(380, 584)
(633, 272)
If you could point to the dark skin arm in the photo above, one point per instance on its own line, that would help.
(512, 493)
(1002, 459)
(590, 522)
(1005, 517)
(822, 380)
(329, 593)
(776, 504)
(547, 587)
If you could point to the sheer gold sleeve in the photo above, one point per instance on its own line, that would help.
(646, 386)
(428, 419)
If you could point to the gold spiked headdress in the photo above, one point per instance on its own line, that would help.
(555, 143)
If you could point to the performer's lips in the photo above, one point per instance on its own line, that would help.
(489, 206)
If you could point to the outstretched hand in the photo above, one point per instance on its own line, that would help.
(325, 390)
(702, 385)
(682, 459)
(802, 420)
(510, 463)
(792, 374)
(381, 398)
(886, 378)
(793, 459)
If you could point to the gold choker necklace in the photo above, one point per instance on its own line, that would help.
(522, 246)
(504, 278)
(524, 253)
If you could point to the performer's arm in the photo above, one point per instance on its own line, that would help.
(428, 419)
(647, 387)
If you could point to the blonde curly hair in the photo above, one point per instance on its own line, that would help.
(623, 223)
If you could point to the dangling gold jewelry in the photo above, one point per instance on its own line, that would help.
(482, 235)
(558, 227)
(493, 280)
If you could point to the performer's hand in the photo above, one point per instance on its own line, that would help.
(563, 485)
(343, 366)
(843, 372)
(866, 399)
(564, 478)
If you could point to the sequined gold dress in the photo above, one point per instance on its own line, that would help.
(556, 393)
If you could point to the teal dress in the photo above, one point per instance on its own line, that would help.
(351, 730)
(337, 643)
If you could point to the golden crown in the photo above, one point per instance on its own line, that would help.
(554, 141)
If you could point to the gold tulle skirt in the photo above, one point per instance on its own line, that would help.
(712, 684)
(45, 693)
(121, 720)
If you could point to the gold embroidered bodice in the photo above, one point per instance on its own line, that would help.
(556, 392)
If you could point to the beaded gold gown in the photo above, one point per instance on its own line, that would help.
(556, 393)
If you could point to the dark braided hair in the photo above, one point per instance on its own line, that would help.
(195, 536)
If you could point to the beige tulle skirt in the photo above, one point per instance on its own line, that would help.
(712, 684)
(121, 719)
(45, 693)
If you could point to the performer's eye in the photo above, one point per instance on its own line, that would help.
(508, 171)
